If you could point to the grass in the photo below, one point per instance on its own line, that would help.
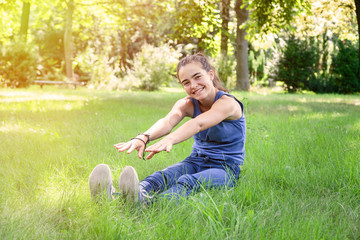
(300, 179)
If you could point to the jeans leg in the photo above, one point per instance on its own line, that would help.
(161, 180)
(188, 183)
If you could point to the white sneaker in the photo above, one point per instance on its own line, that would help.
(100, 183)
(129, 184)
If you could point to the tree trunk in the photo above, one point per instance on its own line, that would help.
(357, 9)
(225, 17)
(241, 49)
(68, 40)
(25, 21)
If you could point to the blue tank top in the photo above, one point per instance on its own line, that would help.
(224, 141)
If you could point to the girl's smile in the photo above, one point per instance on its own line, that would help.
(197, 82)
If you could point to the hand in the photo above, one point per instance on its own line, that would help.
(163, 145)
(131, 145)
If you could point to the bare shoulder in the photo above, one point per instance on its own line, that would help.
(231, 105)
(185, 106)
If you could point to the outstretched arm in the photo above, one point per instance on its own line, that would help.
(224, 108)
(162, 127)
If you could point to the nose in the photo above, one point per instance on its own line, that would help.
(192, 84)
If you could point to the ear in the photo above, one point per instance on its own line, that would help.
(212, 75)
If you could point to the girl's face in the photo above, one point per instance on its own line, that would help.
(197, 82)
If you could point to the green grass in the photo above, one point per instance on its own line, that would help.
(300, 179)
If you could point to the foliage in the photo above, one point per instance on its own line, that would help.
(51, 52)
(225, 68)
(116, 30)
(303, 65)
(153, 67)
(197, 22)
(322, 81)
(137, 23)
(336, 17)
(95, 64)
(297, 63)
(345, 67)
(270, 16)
(256, 62)
(18, 65)
(10, 15)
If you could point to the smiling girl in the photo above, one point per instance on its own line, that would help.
(217, 125)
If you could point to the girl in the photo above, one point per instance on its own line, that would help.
(218, 128)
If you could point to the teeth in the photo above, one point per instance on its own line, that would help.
(196, 91)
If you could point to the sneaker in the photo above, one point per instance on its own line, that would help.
(129, 184)
(100, 183)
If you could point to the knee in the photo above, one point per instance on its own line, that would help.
(188, 181)
(155, 179)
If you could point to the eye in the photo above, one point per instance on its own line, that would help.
(197, 77)
(185, 83)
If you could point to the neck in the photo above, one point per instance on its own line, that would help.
(209, 101)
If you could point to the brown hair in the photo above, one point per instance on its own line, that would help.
(202, 59)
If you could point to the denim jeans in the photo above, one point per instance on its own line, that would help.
(183, 178)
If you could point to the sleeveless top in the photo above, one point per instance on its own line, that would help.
(224, 141)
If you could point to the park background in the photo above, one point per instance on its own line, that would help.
(301, 175)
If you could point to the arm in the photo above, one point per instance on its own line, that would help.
(162, 127)
(225, 108)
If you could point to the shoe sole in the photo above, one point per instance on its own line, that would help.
(100, 182)
(129, 183)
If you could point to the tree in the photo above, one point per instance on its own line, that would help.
(357, 4)
(338, 18)
(116, 30)
(14, 15)
(138, 23)
(225, 19)
(197, 23)
(224, 66)
(241, 48)
(266, 16)
(25, 21)
(270, 16)
(68, 39)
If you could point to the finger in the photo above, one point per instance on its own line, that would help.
(153, 150)
(140, 152)
(124, 147)
(132, 147)
(168, 148)
(151, 155)
(118, 145)
(150, 149)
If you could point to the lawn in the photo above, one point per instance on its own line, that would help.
(300, 179)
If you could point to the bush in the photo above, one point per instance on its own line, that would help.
(152, 68)
(96, 67)
(345, 67)
(225, 68)
(303, 65)
(256, 62)
(297, 64)
(322, 83)
(51, 51)
(17, 65)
